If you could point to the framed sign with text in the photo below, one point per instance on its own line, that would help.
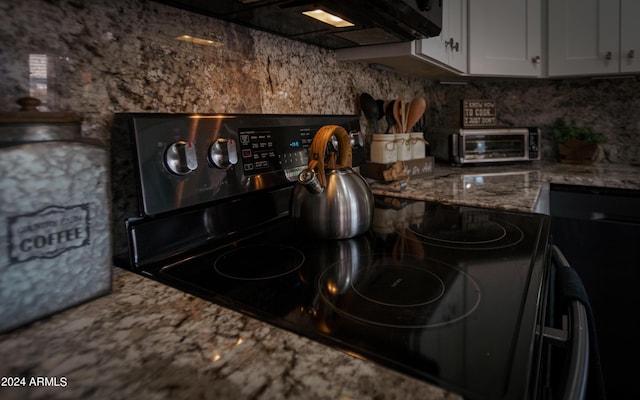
(478, 113)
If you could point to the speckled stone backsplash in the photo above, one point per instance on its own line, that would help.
(107, 56)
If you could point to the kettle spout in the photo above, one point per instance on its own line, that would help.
(310, 181)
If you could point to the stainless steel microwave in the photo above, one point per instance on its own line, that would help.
(467, 146)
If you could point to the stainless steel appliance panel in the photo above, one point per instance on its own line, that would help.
(185, 160)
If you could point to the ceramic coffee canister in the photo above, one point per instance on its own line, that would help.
(418, 150)
(403, 143)
(384, 149)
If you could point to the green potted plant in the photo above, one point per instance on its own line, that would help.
(576, 144)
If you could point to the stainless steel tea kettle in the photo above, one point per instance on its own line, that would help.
(332, 201)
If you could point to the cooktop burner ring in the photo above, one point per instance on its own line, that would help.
(505, 235)
(247, 262)
(450, 301)
(499, 232)
(433, 278)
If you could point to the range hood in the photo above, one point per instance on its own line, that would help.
(373, 21)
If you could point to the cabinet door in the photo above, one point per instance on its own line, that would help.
(505, 37)
(583, 37)
(630, 36)
(458, 40)
(450, 47)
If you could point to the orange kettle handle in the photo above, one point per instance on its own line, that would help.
(319, 147)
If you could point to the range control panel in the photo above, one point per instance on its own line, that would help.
(276, 148)
(183, 160)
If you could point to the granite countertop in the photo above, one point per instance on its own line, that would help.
(147, 340)
(509, 187)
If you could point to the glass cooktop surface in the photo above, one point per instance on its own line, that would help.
(447, 294)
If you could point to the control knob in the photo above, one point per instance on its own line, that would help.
(180, 157)
(223, 153)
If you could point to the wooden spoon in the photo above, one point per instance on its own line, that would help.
(417, 108)
(404, 110)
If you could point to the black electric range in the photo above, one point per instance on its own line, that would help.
(449, 294)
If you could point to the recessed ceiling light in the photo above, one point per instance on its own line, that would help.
(193, 39)
(328, 18)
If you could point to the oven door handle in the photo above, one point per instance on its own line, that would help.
(575, 337)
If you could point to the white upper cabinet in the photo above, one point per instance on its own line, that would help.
(520, 38)
(505, 38)
(450, 48)
(629, 36)
(592, 37)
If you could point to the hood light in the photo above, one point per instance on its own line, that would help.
(195, 40)
(328, 18)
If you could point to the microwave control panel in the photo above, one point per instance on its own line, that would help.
(534, 143)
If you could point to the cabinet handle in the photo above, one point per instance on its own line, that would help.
(631, 54)
(536, 60)
(608, 56)
(455, 46)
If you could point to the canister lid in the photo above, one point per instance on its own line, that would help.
(30, 125)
